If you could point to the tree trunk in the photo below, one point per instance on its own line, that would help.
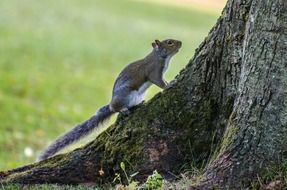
(231, 95)
(256, 135)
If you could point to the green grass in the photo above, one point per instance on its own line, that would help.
(52, 187)
(58, 61)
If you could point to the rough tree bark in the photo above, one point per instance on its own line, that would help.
(231, 95)
(257, 129)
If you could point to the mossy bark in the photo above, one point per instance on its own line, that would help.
(256, 134)
(232, 95)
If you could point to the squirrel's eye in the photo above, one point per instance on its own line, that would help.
(169, 42)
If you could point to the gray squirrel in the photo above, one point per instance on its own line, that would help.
(128, 91)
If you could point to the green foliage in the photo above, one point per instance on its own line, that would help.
(154, 181)
(123, 167)
(131, 184)
(51, 187)
(59, 59)
(274, 177)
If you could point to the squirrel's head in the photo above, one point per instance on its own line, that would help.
(167, 47)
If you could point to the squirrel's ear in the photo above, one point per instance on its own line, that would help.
(157, 42)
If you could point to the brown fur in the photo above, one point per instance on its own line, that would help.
(149, 69)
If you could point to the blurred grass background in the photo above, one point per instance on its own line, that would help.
(59, 59)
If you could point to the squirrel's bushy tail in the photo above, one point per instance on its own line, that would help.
(77, 132)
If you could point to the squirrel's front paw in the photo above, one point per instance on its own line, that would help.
(171, 84)
(125, 112)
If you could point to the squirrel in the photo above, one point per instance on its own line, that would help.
(128, 91)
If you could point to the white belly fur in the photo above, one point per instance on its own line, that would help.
(137, 96)
(166, 63)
